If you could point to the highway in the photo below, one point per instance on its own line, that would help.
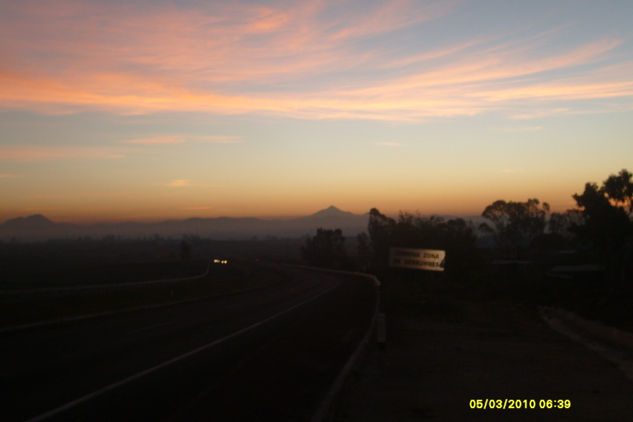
(266, 354)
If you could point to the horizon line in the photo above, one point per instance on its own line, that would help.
(150, 220)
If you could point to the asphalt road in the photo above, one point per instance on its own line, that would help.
(269, 354)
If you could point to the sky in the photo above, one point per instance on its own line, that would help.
(146, 110)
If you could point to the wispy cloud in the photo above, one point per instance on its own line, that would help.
(156, 141)
(539, 113)
(216, 139)
(288, 61)
(387, 17)
(180, 183)
(181, 139)
(25, 153)
(10, 176)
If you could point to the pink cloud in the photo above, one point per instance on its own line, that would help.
(179, 183)
(215, 139)
(156, 141)
(390, 16)
(181, 139)
(233, 58)
(20, 153)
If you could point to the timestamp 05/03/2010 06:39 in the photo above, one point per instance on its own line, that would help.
(515, 404)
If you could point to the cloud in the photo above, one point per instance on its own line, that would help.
(156, 141)
(511, 171)
(28, 153)
(387, 17)
(217, 139)
(431, 55)
(536, 114)
(179, 183)
(558, 92)
(10, 176)
(181, 139)
(305, 61)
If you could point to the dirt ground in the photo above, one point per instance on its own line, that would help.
(444, 350)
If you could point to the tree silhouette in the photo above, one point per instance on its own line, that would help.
(380, 228)
(364, 250)
(185, 250)
(326, 249)
(563, 223)
(619, 189)
(606, 225)
(515, 224)
(454, 236)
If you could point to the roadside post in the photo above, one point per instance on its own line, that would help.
(433, 260)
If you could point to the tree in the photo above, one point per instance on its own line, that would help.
(185, 250)
(326, 249)
(563, 223)
(619, 189)
(454, 236)
(515, 225)
(380, 229)
(606, 225)
(560, 233)
(606, 212)
(364, 250)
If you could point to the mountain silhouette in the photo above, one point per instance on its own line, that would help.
(38, 227)
(332, 211)
(36, 221)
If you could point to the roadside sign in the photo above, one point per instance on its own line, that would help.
(419, 259)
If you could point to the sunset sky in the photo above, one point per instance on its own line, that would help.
(144, 110)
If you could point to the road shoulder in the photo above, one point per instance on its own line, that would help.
(445, 351)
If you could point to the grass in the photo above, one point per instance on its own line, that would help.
(411, 294)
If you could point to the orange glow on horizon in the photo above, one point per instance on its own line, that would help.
(162, 210)
(115, 112)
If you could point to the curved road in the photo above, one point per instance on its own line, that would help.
(269, 354)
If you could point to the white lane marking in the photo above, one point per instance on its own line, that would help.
(328, 270)
(155, 368)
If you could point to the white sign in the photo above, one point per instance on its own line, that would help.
(420, 259)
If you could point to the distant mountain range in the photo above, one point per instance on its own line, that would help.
(38, 227)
